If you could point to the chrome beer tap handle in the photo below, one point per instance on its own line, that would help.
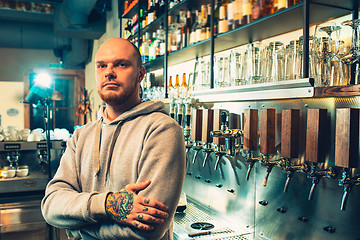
(317, 175)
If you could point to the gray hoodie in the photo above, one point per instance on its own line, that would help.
(142, 143)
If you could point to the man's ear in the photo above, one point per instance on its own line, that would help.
(142, 74)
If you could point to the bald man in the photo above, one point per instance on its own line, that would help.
(120, 176)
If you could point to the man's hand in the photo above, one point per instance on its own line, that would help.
(126, 207)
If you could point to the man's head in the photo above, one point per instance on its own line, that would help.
(118, 72)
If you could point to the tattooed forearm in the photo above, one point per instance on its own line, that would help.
(119, 204)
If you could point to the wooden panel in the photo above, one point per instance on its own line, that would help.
(290, 122)
(315, 135)
(196, 125)
(207, 125)
(217, 126)
(337, 91)
(234, 121)
(267, 131)
(251, 119)
(347, 137)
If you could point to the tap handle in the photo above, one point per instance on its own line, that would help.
(251, 165)
(195, 155)
(180, 119)
(312, 190)
(218, 158)
(266, 178)
(187, 120)
(344, 199)
(289, 176)
(224, 120)
(207, 154)
(172, 115)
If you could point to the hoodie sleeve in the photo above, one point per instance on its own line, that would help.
(164, 162)
(64, 204)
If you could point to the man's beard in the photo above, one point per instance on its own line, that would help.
(114, 98)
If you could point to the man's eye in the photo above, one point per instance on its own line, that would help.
(120, 65)
(101, 66)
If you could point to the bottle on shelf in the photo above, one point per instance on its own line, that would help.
(187, 30)
(194, 27)
(179, 32)
(255, 9)
(246, 11)
(152, 47)
(145, 48)
(237, 12)
(223, 22)
(267, 7)
(161, 10)
(161, 40)
(282, 4)
(151, 12)
(183, 87)
(172, 29)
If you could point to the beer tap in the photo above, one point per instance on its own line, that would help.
(315, 147)
(188, 103)
(207, 127)
(347, 149)
(250, 141)
(290, 139)
(219, 143)
(180, 108)
(196, 132)
(267, 141)
(348, 183)
(230, 135)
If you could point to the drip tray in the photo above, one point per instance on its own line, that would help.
(196, 223)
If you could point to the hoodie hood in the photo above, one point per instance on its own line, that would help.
(143, 108)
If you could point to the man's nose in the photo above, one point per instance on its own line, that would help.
(109, 73)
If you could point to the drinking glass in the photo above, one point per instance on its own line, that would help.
(326, 50)
(238, 68)
(275, 62)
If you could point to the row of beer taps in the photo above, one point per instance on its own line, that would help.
(208, 130)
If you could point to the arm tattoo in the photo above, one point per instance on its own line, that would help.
(145, 209)
(146, 201)
(140, 216)
(119, 204)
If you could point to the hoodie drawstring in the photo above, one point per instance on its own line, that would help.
(96, 148)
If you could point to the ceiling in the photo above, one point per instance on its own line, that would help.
(65, 26)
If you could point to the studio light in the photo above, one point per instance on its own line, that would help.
(41, 90)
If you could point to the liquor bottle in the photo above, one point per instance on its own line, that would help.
(198, 27)
(256, 10)
(161, 7)
(223, 22)
(203, 22)
(290, 3)
(179, 32)
(246, 11)
(170, 87)
(172, 29)
(207, 27)
(282, 4)
(193, 38)
(177, 82)
(161, 38)
(230, 15)
(145, 48)
(183, 87)
(152, 47)
(188, 26)
(238, 15)
(267, 7)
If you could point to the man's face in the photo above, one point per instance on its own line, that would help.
(118, 73)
